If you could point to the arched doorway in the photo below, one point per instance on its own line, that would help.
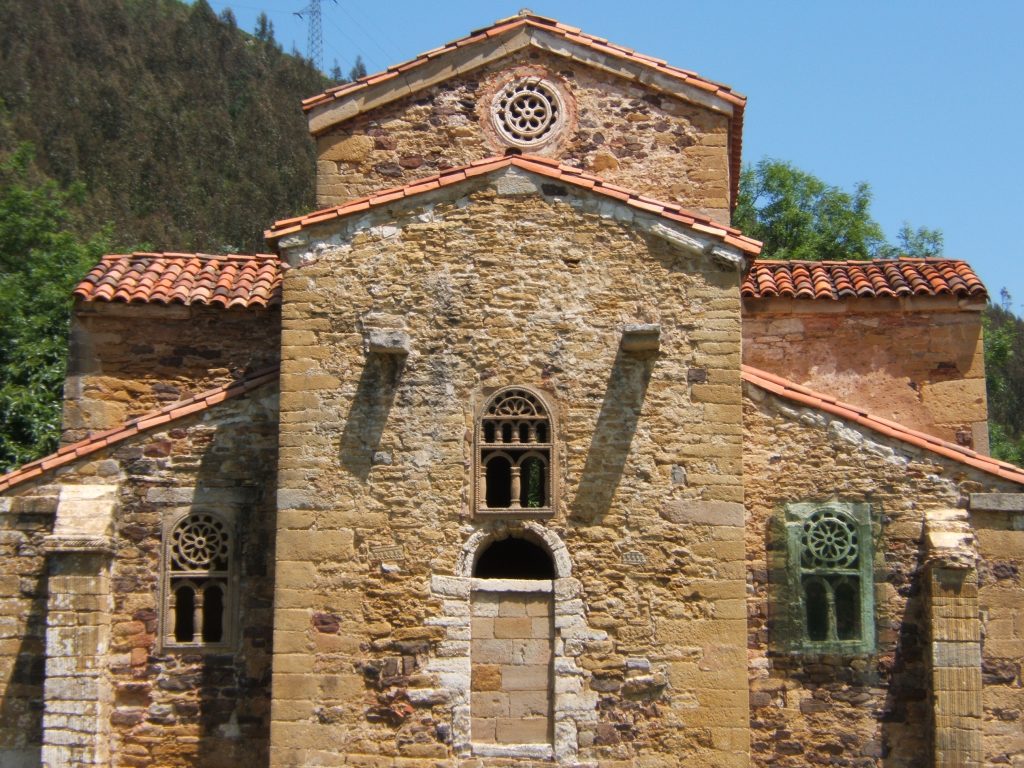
(512, 609)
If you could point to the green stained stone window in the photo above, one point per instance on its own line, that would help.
(826, 586)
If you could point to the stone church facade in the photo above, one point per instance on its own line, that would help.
(514, 454)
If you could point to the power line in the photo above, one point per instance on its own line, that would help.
(315, 44)
(389, 56)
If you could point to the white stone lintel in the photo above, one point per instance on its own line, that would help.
(533, 751)
(513, 585)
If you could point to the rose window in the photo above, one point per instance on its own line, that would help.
(199, 542)
(527, 112)
(829, 541)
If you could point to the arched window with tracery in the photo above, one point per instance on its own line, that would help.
(514, 439)
(198, 582)
(830, 559)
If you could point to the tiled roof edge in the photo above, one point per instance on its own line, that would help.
(803, 396)
(250, 281)
(533, 164)
(95, 442)
(903, 277)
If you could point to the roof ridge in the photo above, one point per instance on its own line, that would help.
(573, 34)
(531, 163)
(857, 262)
(807, 397)
(186, 255)
(201, 401)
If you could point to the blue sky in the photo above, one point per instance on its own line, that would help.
(921, 99)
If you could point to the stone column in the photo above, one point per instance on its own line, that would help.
(77, 693)
(955, 640)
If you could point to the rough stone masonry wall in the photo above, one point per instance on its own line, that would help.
(919, 362)
(625, 133)
(25, 520)
(1001, 600)
(375, 471)
(127, 359)
(170, 708)
(870, 709)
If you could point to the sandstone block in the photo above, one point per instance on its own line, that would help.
(528, 677)
(351, 149)
(487, 677)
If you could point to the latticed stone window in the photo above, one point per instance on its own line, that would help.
(830, 580)
(514, 439)
(527, 112)
(198, 582)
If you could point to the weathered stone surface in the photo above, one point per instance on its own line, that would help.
(835, 707)
(126, 360)
(503, 285)
(619, 129)
(921, 368)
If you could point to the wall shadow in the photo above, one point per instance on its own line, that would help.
(906, 713)
(21, 702)
(232, 708)
(613, 435)
(368, 412)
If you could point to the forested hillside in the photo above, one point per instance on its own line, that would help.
(128, 124)
(185, 131)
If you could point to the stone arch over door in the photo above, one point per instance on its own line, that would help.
(573, 706)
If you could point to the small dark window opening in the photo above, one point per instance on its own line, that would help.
(542, 433)
(533, 494)
(213, 615)
(524, 433)
(184, 614)
(506, 433)
(513, 558)
(816, 598)
(499, 483)
(847, 598)
(489, 433)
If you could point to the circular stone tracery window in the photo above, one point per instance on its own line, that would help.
(199, 542)
(829, 541)
(527, 111)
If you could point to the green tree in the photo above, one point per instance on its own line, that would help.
(336, 76)
(1004, 375)
(798, 216)
(264, 28)
(358, 69)
(41, 259)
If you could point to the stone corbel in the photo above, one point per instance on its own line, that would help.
(386, 341)
(641, 338)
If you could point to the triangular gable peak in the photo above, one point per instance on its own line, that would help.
(685, 229)
(500, 39)
(499, 48)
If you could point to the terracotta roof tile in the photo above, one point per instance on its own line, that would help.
(573, 35)
(802, 395)
(534, 164)
(865, 279)
(70, 453)
(185, 278)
